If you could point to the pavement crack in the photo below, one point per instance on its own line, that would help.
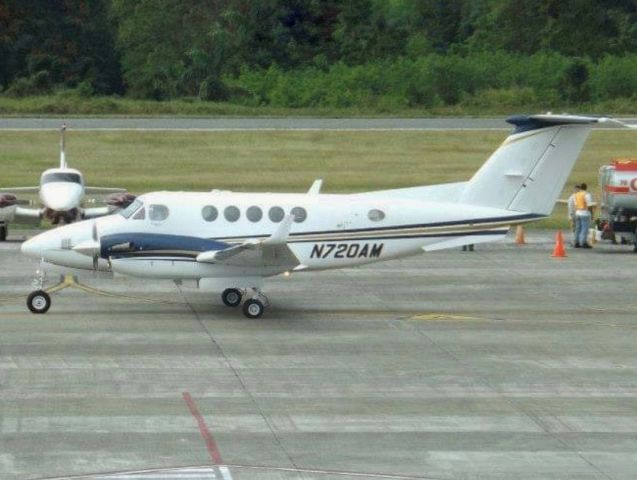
(243, 385)
(532, 417)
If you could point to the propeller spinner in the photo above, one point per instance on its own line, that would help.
(91, 248)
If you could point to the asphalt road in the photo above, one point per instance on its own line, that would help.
(499, 364)
(232, 123)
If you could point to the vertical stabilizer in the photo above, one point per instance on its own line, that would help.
(529, 170)
(62, 152)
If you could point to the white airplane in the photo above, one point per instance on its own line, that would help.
(233, 241)
(61, 193)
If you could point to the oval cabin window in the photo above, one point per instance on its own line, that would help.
(232, 213)
(376, 215)
(209, 213)
(276, 214)
(254, 214)
(299, 214)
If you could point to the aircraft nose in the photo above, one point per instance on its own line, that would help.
(61, 197)
(33, 247)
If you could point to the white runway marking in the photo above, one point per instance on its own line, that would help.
(200, 473)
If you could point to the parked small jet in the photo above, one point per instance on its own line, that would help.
(232, 241)
(61, 193)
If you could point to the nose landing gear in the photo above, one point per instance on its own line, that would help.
(39, 301)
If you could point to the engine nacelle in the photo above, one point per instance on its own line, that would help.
(7, 200)
(120, 200)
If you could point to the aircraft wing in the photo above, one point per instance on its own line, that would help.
(271, 252)
(16, 213)
(19, 189)
(102, 190)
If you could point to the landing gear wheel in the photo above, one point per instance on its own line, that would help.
(253, 308)
(39, 301)
(231, 297)
(3, 232)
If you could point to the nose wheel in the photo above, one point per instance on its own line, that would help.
(39, 301)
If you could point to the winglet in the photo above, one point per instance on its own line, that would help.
(617, 122)
(315, 189)
(280, 236)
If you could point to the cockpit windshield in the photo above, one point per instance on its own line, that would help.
(67, 177)
(132, 208)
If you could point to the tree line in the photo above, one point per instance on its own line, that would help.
(322, 52)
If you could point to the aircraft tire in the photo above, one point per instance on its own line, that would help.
(231, 297)
(4, 230)
(253, 308)
(39, 301)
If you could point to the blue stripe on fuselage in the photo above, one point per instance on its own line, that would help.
(130, 244)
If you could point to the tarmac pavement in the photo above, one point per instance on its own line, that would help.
(501, 363)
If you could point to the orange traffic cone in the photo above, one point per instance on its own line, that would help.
(559, 251)
(519, 236)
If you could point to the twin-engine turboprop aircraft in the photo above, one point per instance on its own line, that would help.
(61, 193)
(232, 241)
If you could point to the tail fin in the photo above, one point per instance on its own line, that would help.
(62, 153)
(529, 170)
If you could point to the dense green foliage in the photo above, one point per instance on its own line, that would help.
(383, 54)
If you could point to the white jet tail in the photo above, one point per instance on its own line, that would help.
(529, 170)
(62, 153)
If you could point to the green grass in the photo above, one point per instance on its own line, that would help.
(69, 103)
(280, 161)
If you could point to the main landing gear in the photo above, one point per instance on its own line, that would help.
(252, 307)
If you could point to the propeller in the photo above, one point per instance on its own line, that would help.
(96, 240)
(92, 247)
(7, 200)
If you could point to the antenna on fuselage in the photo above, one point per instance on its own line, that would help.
(62, 153)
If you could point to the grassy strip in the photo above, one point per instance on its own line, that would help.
(280, 161)
(495, 104)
